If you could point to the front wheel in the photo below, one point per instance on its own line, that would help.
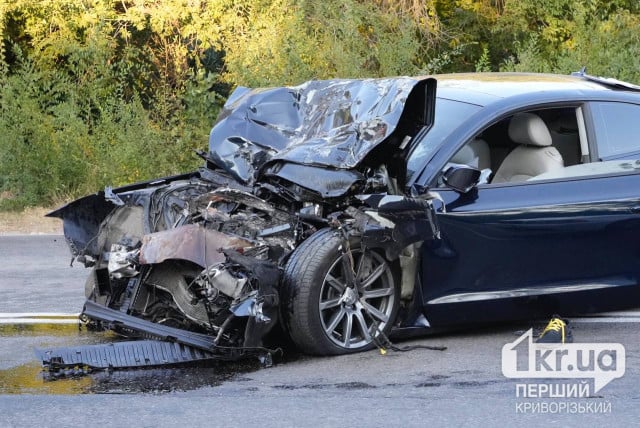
(325, 311)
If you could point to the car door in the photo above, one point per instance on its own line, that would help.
(534, 248)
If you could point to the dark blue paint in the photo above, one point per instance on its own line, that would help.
(580, 232)
(535, 234)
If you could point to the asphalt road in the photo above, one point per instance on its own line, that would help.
(462, 386)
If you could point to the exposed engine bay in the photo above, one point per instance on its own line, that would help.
(198, 258)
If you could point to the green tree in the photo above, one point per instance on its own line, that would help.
(104, 92)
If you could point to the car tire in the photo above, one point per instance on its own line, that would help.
(320, 315)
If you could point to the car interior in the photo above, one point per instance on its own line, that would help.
(525, 146)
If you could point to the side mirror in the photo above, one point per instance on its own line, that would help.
(461, 178)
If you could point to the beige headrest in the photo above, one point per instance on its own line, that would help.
(529, 129)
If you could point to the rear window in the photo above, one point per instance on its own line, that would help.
(617, 128)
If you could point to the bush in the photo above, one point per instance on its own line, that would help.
(94, 96)
(61, 139)
(102, 92)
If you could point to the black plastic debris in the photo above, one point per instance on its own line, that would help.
(167, 346)
(156, 331)
(128, 354)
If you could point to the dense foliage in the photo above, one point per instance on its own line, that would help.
(96, 92)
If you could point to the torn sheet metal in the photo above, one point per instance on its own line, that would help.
(197, 259)
(191, 242)
(262, 308)
(397, 222)
(82, 219)
(333, 123)
(328, 183)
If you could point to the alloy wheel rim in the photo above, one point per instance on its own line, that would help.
(352, 317)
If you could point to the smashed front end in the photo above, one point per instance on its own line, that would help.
(196, 259)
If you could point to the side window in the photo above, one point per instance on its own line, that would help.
(524, 146)
(551, 144)
(617, 129)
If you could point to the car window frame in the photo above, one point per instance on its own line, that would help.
(575, 104)
(426, 176)
(591, 142)
(424, 133)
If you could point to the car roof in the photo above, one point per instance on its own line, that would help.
(486, 88)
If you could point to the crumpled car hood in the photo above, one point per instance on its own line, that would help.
(330, 123)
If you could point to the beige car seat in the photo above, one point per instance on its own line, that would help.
(533, 156)
(475, 154)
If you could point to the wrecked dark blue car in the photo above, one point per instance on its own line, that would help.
(341, 211)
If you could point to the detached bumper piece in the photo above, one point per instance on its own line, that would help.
(120, 321)
(167, 346)
(130, 354)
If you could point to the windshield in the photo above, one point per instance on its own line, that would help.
(449, 114)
